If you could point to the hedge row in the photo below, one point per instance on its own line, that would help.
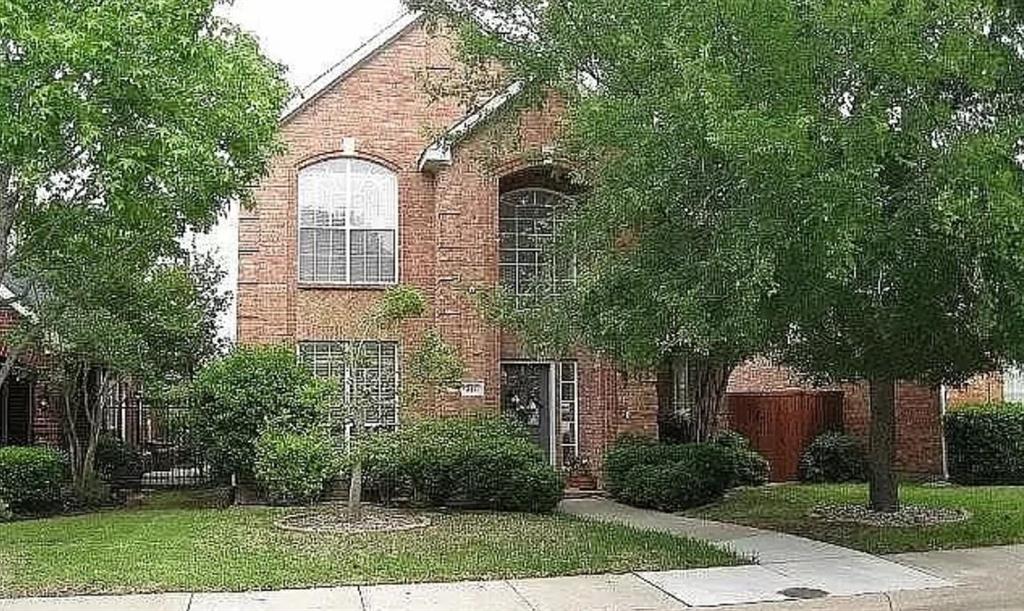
(31, 479)
(985, 444)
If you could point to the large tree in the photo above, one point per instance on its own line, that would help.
(124, 125)
(837, 180)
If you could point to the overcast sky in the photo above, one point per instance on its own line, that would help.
(307, 36)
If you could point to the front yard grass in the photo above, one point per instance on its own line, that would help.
(171, 545)
(997, 515)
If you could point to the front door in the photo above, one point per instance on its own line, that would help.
(15, 412)
(526, 398)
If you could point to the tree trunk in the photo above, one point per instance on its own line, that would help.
(8, 214)
(355, 492)
(884, 490)
(712, 379)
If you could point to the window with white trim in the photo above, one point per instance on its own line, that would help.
(365, 370)
(529, 222)
(569, 411)
(348, 223)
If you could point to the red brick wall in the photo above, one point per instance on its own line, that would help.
(919, 450)
(448, 233)
(45, 421)
(980, 389)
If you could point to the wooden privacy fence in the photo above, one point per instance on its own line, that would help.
(781, 425)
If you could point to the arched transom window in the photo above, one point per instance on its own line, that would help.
(529, 221)
(348, 223)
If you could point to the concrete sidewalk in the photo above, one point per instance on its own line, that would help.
(990, 580)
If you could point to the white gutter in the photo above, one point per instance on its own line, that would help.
(439, 153)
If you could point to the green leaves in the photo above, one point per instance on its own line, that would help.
(122, 126)
(837, 183)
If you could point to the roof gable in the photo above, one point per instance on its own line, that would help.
(349, 63)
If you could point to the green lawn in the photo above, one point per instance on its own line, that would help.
(998, 516)
(171, 546)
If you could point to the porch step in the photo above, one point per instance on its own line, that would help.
(581, 493)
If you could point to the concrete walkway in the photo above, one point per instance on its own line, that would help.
(787, 567)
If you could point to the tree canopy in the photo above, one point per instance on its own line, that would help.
(835, 182)
(152, 115)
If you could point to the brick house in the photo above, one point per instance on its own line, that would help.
(363, 197)
(26, 415)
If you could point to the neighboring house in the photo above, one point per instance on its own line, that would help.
(364, 198)
(29, 413)
(26, 416)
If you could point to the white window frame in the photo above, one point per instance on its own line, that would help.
(520, 296)
(348, 228)
(347, 388)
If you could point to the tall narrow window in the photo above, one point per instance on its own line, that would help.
(529, 222)
(569, 411)
(371, 374)
(348, 223)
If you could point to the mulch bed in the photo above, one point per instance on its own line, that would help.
(333, 519)
(908, 516)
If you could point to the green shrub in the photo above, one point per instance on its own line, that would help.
(478, 462)
(985, 444)
(294, 468)
(116, 461)
(834, 457)
(31, 478)
(749, 467)
(668, 477)
(251, 389)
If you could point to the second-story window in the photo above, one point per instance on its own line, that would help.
(530, 220)
(348, 223)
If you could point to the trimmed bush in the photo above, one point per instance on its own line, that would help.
(294, 468)
(985, 444)
(116, 461)
(668, 477)
(31, 479)
(241, 395)
(834, 457)
(749, 467)
(477, 462)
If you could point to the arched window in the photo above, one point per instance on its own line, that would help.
(348, 223)
(529, 221)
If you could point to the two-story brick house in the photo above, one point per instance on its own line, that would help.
(364, 198)
(366, 195)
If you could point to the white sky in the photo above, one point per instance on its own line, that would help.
(308, 36)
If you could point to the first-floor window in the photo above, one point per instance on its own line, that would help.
(367, 371)
(1013, 385)
(684, 383)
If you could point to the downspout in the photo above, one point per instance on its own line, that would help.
(942, 431)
